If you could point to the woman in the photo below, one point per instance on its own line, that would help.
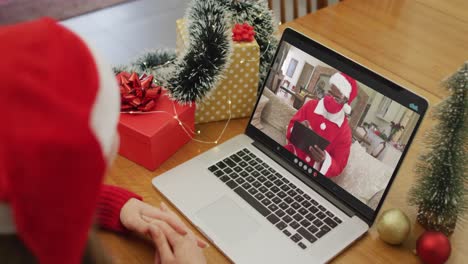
(60, 108)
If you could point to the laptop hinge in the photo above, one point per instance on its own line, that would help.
(299, 174)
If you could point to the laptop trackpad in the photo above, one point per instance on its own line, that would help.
(228, 221)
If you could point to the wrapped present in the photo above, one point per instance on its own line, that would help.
(137, 93)
(239, 85)
(150, 138)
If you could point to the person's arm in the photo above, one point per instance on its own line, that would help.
(300, 116)
(336, 159)
(120, 210)
(110, 203)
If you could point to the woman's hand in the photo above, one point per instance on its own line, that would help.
(137, 216)
(174, 248)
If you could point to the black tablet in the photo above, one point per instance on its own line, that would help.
(303, 137)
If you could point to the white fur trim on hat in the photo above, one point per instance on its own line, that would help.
(106, 108)
(341, 83)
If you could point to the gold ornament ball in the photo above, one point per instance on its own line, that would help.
(393, 226)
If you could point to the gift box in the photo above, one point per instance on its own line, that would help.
(150, 138)
(239, 85)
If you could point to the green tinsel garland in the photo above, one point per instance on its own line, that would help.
(148, 62)
(201, 67)
(191, 76)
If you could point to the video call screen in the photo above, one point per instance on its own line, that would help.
(345, 130)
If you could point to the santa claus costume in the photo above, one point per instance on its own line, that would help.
(60, 109)
(328, 119)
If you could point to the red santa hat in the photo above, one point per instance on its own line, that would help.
(347, 86)
(60, 108)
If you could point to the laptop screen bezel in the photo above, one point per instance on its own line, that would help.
(361, 74)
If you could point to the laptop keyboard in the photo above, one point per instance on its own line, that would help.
(296, 214)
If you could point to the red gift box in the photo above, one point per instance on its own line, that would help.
(151, 138)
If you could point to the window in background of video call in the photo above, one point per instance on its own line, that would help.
(380, 128)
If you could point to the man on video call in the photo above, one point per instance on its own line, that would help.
(327, 118)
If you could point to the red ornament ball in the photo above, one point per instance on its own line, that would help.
(433, 247)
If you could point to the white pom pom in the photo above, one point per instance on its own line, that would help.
(347, 109)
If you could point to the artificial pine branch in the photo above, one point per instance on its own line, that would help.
(441, 191)
(154, 59)
(119, 68)
(148, 62)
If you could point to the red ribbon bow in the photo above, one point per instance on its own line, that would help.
(137, 93)
(243, 32)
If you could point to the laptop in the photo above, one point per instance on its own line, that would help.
(259, 201)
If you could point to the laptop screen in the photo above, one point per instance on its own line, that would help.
(334, 126)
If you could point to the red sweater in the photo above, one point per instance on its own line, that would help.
(111, 200)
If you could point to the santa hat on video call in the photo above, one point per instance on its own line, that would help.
(60, 108)
(347, 86)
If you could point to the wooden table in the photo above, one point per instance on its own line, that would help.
(415, 43)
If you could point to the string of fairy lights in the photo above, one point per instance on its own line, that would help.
(260, 13)
(186, 128)
(188, 131)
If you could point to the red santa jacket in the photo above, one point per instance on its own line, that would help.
(337, 153)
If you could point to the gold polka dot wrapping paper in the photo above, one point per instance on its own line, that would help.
(239, 83)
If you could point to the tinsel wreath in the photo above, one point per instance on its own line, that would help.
(191, 76)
